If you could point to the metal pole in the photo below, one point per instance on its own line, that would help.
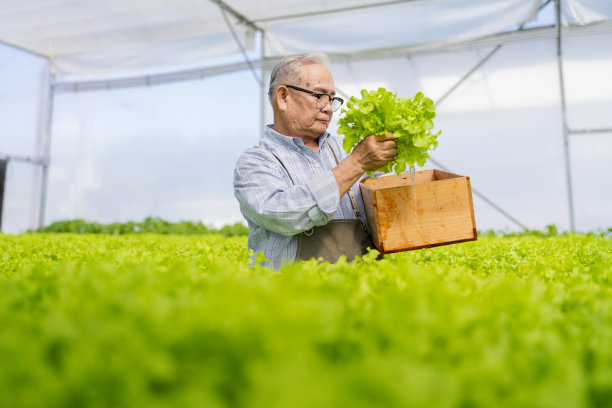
(485, 199)
(46, 148)
(466, 76)
(264, 94)
(481, 63)
(24, 159)
(589, 131)
(264, 101)
(568, 172)
(240, 46)
(3, 163)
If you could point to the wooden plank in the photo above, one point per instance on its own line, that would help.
(469, 186)
(403, 179)
(444, 175)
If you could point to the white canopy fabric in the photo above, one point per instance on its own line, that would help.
(110, 38)
(393, 25)
(117, 37)
(582, 12)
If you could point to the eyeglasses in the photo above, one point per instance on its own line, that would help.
(321, 102)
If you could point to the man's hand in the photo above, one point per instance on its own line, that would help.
(370, 154)
(374, 151)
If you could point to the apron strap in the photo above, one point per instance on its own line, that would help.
(283, 164)
(350, 192)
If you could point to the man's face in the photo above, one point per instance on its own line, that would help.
(301, 115)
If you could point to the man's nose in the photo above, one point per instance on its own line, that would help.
(327, 108)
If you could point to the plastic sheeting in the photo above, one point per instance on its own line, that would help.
(582, 12)
(116, 38)
(397, 25)
(110, 37)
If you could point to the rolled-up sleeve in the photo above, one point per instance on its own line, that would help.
(324, 189)
(269, 198)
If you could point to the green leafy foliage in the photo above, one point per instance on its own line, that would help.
(146, 320)
(149, 225)
(380, 112)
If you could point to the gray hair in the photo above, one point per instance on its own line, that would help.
(289, 67)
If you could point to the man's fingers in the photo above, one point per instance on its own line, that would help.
(381, 149)
(387, 141)
(387, 155)
(389, 144)
(387, 137)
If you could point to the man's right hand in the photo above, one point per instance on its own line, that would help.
(374, 151)
(371, 153)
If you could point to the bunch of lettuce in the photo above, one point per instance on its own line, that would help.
(381, 111)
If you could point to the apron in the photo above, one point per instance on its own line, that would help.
(349, 237)
(338, 237)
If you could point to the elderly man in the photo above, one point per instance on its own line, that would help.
(298, 189)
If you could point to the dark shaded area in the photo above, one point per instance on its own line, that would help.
(2, 177)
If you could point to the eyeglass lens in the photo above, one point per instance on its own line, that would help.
(325, 99)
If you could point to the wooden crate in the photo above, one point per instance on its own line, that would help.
(444, 212)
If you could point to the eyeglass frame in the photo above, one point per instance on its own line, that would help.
(319, 95)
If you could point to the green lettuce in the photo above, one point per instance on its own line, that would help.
(409, 120)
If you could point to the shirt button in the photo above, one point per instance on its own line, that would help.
(317, 165)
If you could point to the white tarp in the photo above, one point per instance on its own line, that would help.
(397, 25)
(115, 36)
(111, 38)
(108, 37)
(582, 12)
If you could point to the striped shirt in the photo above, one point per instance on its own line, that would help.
(280, 200)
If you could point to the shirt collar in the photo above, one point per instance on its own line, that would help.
(288, 141)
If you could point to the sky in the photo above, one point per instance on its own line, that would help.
(169, 150)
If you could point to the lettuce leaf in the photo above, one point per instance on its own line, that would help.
(381, 111)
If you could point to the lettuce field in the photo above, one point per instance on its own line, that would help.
(151, 320)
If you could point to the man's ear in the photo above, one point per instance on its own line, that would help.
(281, 98)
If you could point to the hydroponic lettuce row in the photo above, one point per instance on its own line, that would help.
(148, 226)
(381, 111)
(150, 320)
